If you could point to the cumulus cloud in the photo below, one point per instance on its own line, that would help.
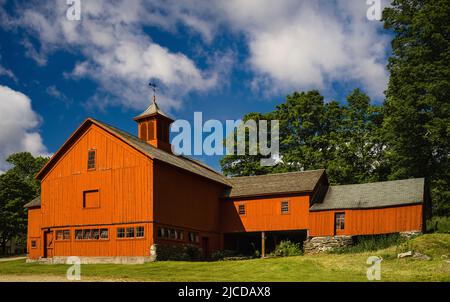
(118, 54)
(311, 44)
(291, 44)
(18, 126)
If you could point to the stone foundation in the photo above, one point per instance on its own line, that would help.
(410, 234)
(94, 260)
(315, 245)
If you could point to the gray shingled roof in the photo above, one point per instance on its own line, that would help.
(373, 195)
(281, 183)
(174, 160)
(34, 203)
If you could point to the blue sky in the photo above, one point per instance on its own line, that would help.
(223, 58)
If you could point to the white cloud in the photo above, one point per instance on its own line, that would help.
(18, 126)
(311, 44)
(118, 55)
(292, 44)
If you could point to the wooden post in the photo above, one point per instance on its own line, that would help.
(263, 244)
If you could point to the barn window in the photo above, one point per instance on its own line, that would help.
(78, 234)
(104, 234)
(33, 244)
(86, 234)
(144, 132)
(340, 219)
(95, 234)
(241, 209)
(180, 234)
(59, 235)
(120, 232)
(194, 237)
(151, 130)
(130, 232)
(62, 234)
(140, 232)
(91, 159)
(91, 199)
(285, 207)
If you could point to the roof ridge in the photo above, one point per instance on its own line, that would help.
(182, 157)
(272, 174)
(377, 182)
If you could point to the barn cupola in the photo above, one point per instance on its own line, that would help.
(154, 126)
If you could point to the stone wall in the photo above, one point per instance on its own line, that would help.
(410, 234)
(94, 260)
(322, 244)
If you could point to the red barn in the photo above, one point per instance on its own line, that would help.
(107, 195)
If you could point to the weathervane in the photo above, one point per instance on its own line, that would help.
(153, 86)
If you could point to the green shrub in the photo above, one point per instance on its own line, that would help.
(178, 252)
(438, 224)
(370, 243)
(220, 255)
(286, 249)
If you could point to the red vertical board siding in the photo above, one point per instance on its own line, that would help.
(264, 214)
(369, 221)
(123, 177)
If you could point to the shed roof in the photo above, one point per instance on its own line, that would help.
(269, 184)
(34, 203)
(373, 195)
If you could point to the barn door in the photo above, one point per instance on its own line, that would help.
(48, 244)
(205, 247)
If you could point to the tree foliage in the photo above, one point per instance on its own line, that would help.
(417, 121)
(345, 139)
(407, 136)
(17, 187)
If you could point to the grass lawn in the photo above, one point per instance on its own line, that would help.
(324, 267)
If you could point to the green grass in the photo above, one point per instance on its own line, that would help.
(323, 267)
(371, 243)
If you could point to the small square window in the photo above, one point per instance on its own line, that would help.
(86, 234)
(140, 232)
(130, 232)
(241, 209)
(120, 232)
(59, 235)
(95, 234)
(33, 244)
(66, 234)
(104, 234)
(284, 207)
(78, 234)
(91, 159)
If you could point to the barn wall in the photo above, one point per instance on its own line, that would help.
(123, 178)
(34, 229)
(264, 214)
(368, 221)
(187, 201)
(112, 246)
